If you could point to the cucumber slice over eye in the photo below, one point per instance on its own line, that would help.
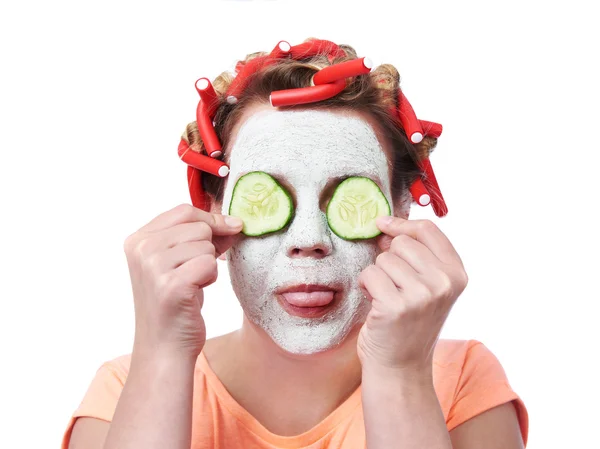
(262, 203)
(354, 207)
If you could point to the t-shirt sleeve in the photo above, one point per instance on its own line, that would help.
(100, 400)
(483, 385)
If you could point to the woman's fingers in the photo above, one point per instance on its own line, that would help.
(186, 213)
(414, 253)
(377, 283)
(424, 231)
(179, 254)
(200, 271)
(398, 270)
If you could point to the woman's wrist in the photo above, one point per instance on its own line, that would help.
(163, 359)
(165, 352)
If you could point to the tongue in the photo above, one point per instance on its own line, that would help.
(312, 299)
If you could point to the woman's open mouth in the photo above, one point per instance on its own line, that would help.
(307, 300)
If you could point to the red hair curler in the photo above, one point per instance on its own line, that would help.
(199, 197)
(328, 82)
(431, 129)
(430, 181)
(207, 95)
(281, 50)
(201, 162)
(240, 82)
(419, 192)
(342, 70)
(304, 95)
(409, 120)
(207, 131)
(317, 46)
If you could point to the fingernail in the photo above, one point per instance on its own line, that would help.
(233, 222)
(384, 221)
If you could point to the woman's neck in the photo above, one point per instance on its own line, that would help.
(268, 382)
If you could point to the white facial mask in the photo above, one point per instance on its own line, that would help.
(306, 149)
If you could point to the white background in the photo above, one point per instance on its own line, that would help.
(94, 97)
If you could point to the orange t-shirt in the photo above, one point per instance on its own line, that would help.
(468, 380)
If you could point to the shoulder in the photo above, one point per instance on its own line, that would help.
(118, 366)
(471, 360)
(106, 386)
(449, 351)
(470, 380)
(462, 367)
(465, 358)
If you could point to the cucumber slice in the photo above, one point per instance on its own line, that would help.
(262, 203)
(353, 208)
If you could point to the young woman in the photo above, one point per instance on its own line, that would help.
(339, 346)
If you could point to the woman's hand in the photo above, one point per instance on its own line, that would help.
(412, 287)
(171, 259)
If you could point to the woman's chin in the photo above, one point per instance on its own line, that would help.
(310, 329)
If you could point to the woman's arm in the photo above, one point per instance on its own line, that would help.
(170, 259)
(402, 410)
(154, 409)
(496, 428)
(88, 433)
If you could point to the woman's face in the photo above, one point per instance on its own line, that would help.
(309, 152)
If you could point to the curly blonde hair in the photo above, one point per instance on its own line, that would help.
(374, 93)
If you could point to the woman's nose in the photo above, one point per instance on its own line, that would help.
(317, 251)
(309, 234)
